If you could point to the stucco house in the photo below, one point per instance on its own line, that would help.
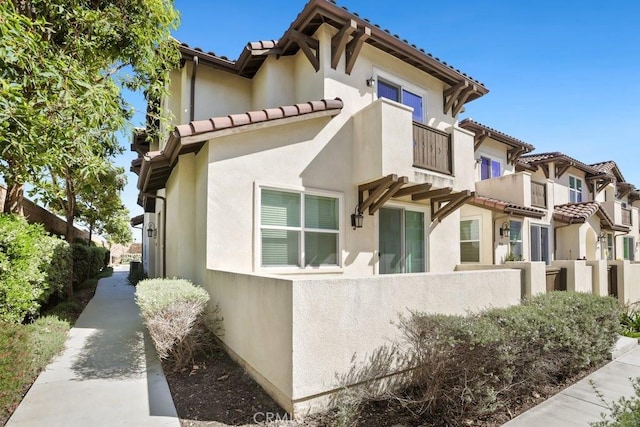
(321, 184)
(313, 186)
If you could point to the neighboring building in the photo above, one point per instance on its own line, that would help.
(320, 185)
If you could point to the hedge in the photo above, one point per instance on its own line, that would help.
(33, 267)
(88, 261)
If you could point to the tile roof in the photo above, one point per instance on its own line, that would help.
(506, 207)
(156, 166)
(540, 158)
(137, 220)
(318, 12)
(578, 213)
(475, 126)
(610, 168)
(251, 117)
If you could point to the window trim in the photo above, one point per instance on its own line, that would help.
(575, 190)
(460, 241)
(402, 84)
(404, 207)
(257, 230)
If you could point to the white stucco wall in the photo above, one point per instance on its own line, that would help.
(296, 335)
(533, 274)
(579, 275)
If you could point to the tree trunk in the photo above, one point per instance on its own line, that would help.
(70, 211)
(13, 200)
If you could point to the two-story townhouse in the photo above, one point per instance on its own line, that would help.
(588, 203)
(297, 178)
(508, 219)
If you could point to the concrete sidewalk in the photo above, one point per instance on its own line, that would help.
(109, 373)
(578, 404)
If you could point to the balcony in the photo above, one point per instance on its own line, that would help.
(432, 149)
(538, 195)
(619, 214)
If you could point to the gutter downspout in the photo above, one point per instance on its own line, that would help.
(192, 104)
(164, 231)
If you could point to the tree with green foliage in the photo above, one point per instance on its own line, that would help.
(63, 64)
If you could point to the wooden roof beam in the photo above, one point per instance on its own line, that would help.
(456, 200)
(354, 46)
(310, 47)
(374, 184)
(339, 42)
(389, 194)
(411, 190)
(375, 194)
(429, 194)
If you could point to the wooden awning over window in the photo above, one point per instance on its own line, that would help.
(444, 201)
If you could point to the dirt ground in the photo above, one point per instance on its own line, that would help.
(216, 392)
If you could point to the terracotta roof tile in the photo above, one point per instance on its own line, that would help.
(305, 108)
(289, 110)
(575, 212)
(535, 159)
(240, 119)
(506, 207)
(604, 167)
(257, 116)
(474, 126)
(274, 113)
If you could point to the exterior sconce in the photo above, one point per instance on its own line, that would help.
(504, 230)
(357, 219)
(371, 82)
(603, 236)
(152, 231)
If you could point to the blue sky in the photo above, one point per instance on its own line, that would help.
(563, 76)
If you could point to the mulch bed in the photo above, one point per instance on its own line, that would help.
(217, 392)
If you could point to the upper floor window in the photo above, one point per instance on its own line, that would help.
(298, 229)
(399, 94)
(575, 189)
(489, 168)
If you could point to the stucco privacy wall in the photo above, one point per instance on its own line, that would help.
(628, 281)
(533, 274)
(579, 275)
(296, 334)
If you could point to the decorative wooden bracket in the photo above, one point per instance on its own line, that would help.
(479, 139)
(598, 183)
(562, 168)
(354, 46)
(514, 154)
(413, 189)
(545, 170)
(339, 42)
(462, 99)
(379, 192)
(440, 210)
(450, 95)
(310, 47)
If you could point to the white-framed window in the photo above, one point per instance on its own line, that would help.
(575, 189)
(470, 240)
(299, 228)
(629, 248)
(395, 90)
(610, 251)
(540, 245)
(489, 168)
(401, 240)
(515, 240)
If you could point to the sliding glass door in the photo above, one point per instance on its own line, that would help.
(401, 240)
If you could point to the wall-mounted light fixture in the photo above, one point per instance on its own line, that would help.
(504, 230)
(603, 236)
(371, 82)
(357, 218)
(152, 231)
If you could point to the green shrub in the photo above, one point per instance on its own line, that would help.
(26, 350)
(33, 267)
(630, 321)
(88, 261)
(625, 412)
(469, 367)
(173, 311)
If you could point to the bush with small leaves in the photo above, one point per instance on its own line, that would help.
(173, 311)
